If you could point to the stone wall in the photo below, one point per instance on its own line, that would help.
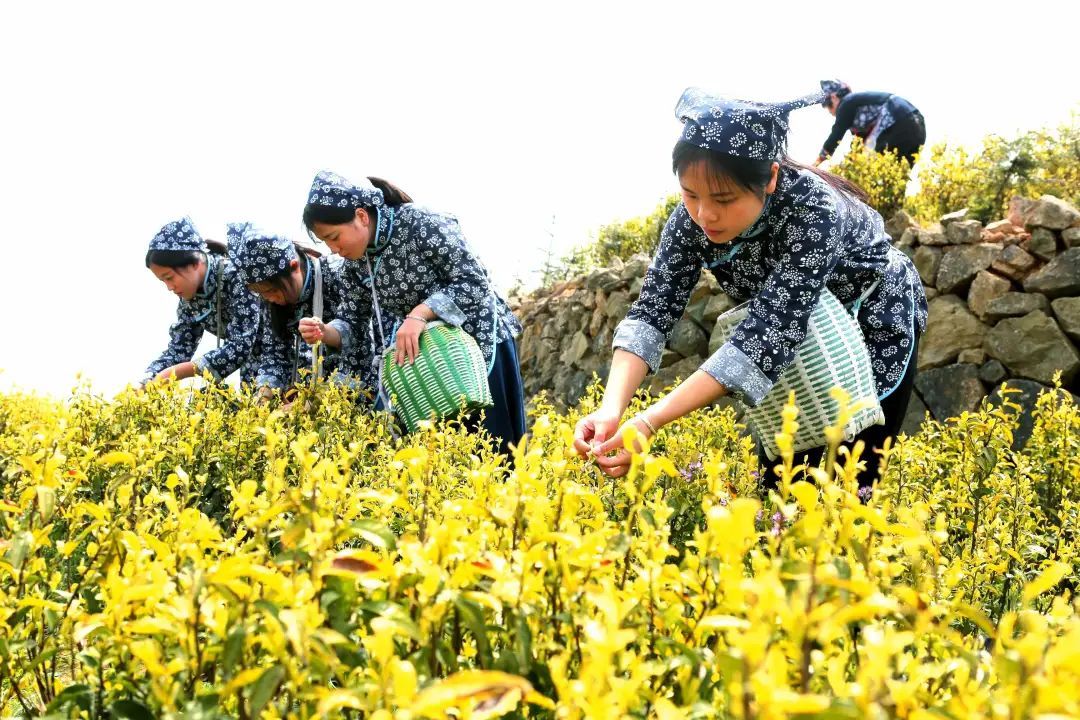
(1004, 305)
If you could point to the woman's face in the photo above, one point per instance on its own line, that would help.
(349, 240)
(718, 206)
(285, 293)
(183, 282)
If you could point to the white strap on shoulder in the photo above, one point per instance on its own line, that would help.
(317, 311)
(382, 338)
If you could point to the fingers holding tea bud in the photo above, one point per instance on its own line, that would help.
(312, 330)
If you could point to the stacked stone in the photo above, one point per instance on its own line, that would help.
(568, 328)
(1004, 306)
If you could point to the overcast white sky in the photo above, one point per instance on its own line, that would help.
(535, 123)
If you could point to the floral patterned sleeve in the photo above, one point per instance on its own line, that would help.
(348, 299)
(332, 301)
(275, 355)
(442, 244)
(765, 342)
(241, 331)
(184, 336)
(671, 277)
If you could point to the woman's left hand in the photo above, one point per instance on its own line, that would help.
(408, 340)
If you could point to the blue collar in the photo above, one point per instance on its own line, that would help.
(209, 278)
(384, 228)
(759, 225)
(306, 290)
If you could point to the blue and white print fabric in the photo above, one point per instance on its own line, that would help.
(178, 235)
(884, 122)
(815, 238)
(742, 128)
(424, 258)
(345, 364)
(866, 118)
(833, 86)
(257, 254)
(240, 317)
(333, 190)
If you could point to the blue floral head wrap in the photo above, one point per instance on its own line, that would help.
(179, 235)
(833, 86)
(258, 255)
(333, 190)
(742, 128)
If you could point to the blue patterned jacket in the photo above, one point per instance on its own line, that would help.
(350, 363)
(424, 258)
(809, 236)
(240, 321)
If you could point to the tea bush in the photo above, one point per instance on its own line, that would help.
(1035, 163)
(884, 176)
(179, 553)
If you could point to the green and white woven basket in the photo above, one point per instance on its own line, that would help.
(449, 376)
(832, 355)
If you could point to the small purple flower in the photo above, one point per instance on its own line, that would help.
(760, 514)
(865, 493)
(777, 523)
(688, 472)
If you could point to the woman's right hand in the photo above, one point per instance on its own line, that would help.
(311, 329)
(595, 428)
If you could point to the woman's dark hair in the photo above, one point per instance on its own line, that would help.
(282, 315)
(752, 175)
(182, 258)
(392, 194)
(328, 215)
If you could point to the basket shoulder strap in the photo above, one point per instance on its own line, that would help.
(317, 311)
(865, 294)
(382, 337)
(317, 296)
(217, 301)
